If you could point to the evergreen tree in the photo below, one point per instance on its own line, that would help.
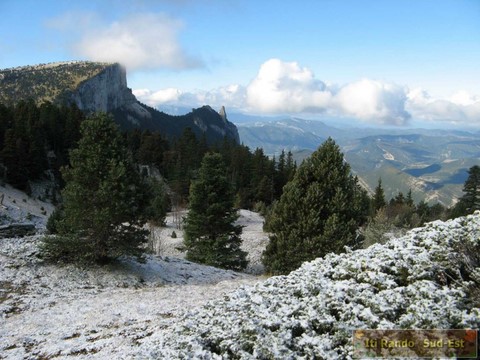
(15, 158)
(6, 119)
(378, 200)
(317, 213)
(102, 197)
(159, 203)
(291, 166)
(211, 237)
(409, 200)
(470, 201)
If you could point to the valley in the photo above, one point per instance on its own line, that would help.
(433, 163)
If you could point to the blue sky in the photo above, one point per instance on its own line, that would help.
(397, 63)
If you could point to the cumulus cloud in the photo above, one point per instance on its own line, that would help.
(461, 107)
(286, 87)
(464, 98)
(231, 96)
(141, 41)
(374, 101)
(164, 96)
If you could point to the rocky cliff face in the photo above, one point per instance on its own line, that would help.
(105, 91)
(108, 91)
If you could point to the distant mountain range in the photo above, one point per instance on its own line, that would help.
(433, 163)
(94, 86)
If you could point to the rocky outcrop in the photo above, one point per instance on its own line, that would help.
(106, 91)
(208, 120)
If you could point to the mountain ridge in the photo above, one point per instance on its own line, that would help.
(95, 86)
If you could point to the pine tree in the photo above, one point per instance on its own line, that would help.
(378, 200)
(157, 207)
(102, 199)
(409, 200)
(470, 201)
(317, 213)
(211, 237)
(15, 158)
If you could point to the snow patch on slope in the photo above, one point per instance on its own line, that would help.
(16, 206)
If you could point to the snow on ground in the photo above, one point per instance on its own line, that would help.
(48, 311)
(427, 279)
(169, 308)
(103, 312)
(16, 206)
(254, 239)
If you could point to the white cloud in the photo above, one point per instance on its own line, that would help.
(231, 96)
(168, 95)
(374, 101)
(286, 87)
(461, 107)
(464, 98)
(141, 41)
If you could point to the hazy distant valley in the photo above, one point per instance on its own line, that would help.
(433, 163)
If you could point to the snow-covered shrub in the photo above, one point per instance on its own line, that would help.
(426, 279)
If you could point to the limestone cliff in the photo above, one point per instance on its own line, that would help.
(105, 91)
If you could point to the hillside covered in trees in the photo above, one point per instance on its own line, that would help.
(35, 142)
(46, 82)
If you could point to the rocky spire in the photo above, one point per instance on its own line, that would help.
(223, 114)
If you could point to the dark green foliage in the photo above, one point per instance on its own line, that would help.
(401, 210)
(319, 212)
(54, 220)
(254, 176)
(378, 200)
(210, 234)
(159, 202)
(470, 201)
(471, 188)
(102, 199)
(184, 161)
(14, 158)
(151, 148)
(35, 139)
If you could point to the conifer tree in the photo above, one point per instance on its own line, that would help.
(470, 201)
(317, 212)
(378, 200)
(102, 198)
(14, 156)
(211, 237)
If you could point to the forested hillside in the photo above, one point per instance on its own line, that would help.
(46, 82)
(35, 142)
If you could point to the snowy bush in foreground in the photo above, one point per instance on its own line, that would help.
(422, 280)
